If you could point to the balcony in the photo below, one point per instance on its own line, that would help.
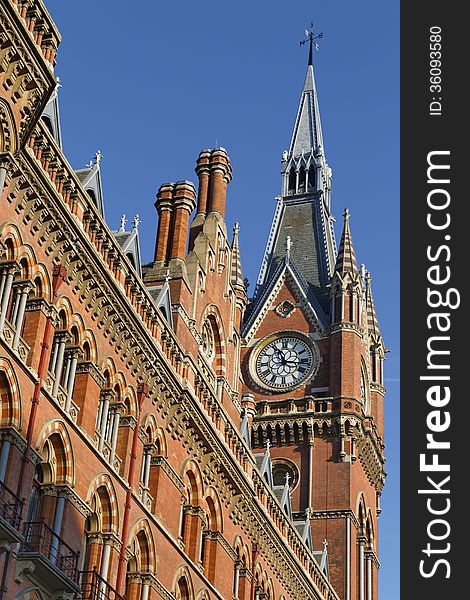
(49, 559)
(94, 587)
(11, 508)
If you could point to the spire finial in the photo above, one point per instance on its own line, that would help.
(98, 157)
(311, 37)
(288, 245)
(346, 215)
(325, 544)
(122, 223)
(236, 228)
(136, 222)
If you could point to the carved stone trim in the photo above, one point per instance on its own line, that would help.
(219, 537)
(163, 463)
(92, 370)
(333, 514)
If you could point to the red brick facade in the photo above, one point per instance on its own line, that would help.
(123, 470)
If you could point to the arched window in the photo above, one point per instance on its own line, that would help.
(182, 590)
(45, 530)
(139, 567)
(311, 178)
(15, 288)
(302, 181)
(48, 123)
(92, 196)
(210, 535)
(292, 181)
(100, 529)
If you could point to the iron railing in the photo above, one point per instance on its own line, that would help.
(11, 507)
(94, 587)
(40, 538)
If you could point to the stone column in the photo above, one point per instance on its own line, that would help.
(4, 455)
(360, 558)
(23, 290)
(56, 529)
(369, 576)
(9, 270)
(74, 355)
(106, 396)
(62, 337)
(118, 409)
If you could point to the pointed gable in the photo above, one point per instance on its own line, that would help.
(129, 242)
(90, 178)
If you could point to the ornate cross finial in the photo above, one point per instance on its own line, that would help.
(311, 37)
(286, 482)
(268, 445)
(98, 157)
(288, 245)
(325, 544)
(346, 214)
(236, 228)
(136, 222)
(122, 223)
(167, 276)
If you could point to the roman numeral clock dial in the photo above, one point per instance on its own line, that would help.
(284, 362)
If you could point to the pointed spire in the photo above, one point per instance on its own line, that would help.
(236, 266)
(372, 323)
(307, 136)
(346, 259)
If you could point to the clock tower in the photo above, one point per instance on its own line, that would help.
(312, 366)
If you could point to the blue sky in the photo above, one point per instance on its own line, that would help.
(152, 83)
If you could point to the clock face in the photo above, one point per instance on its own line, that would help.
(285, 362)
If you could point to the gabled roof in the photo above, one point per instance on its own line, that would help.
(264, 464)
(306, 223)
(162, 298)
(90, 178)
(51, 114)
(282, 493)
(245, 427)
(129, 242)
(286, 271)
(321, 556)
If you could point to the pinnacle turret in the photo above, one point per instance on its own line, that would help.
(346, 259)
(372, 322)
(236, 274)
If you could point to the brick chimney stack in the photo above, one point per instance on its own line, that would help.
(184, 202)
(164, 206)
(175, 202)
(220, 176)
(214, 171)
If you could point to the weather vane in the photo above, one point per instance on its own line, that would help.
(311, 37)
